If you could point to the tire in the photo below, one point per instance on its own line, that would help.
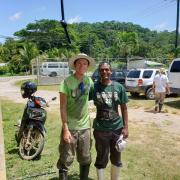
(53, 74)
(134, 94)
(150, 94)
(30, 148)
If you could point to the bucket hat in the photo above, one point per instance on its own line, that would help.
(120, 144)
(81, 56)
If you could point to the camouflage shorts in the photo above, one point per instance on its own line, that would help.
(80, 146)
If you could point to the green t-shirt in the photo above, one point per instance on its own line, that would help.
(77, 101)
(103, 98)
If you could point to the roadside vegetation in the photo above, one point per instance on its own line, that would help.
(150, 154)
(110, 40)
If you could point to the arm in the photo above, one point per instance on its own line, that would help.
(91, 90)
(124, 113)
(63, 111)
(153, 87)
(167, 87)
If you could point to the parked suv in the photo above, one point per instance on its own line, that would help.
(117, 75)
(141, 81)
(174, 76)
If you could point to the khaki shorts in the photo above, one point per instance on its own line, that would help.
(80, 146)
(159, 97)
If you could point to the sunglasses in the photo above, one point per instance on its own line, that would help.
(81, 88)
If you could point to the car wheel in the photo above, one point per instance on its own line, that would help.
(134, 94)
(53, 74)
(150, 94)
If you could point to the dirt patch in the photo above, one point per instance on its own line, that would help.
(9, 91)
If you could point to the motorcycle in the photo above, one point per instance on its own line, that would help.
(31, 134)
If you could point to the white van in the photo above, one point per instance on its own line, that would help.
(174, 76)
(53, 69)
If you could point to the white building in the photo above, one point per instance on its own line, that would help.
(139, 62)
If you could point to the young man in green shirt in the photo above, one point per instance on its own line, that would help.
(108, 124)
(75, 135)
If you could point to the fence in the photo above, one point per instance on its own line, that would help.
(50, 71)
(58, 68)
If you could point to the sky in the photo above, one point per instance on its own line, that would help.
(157, 15)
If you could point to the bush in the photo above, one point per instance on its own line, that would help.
(4, 70)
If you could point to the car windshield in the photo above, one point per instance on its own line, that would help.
(134, 74)
(118, 74)
(96, 73)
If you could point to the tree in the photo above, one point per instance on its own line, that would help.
(127, 43)
(46, 34)
(27, 53)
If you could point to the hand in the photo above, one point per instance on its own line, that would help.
(67, 136)
(125, 132)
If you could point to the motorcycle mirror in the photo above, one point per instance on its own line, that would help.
(54, 98)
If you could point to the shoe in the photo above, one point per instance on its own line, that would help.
(156, 108)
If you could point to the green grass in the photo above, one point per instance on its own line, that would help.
(171, 104)
(150, 153)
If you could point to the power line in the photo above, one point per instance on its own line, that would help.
(154, 8)
(157, 10)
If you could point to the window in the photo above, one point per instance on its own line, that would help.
(133, 74)
(118, 74)
(175, 67)
(147, 74)
(52, 66)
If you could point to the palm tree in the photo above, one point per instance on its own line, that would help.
(28, 52)
(127, 43)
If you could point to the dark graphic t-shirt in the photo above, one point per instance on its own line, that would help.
(108, 97)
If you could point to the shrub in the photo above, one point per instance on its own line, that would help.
(4, 70)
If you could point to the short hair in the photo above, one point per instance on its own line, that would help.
(162, 71)
(104, 62)
(81, 58)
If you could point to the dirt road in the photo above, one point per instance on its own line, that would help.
(10, 91)
(168, 122)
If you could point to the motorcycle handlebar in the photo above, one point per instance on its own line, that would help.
(53, 99)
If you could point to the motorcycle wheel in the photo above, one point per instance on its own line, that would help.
(31, 144)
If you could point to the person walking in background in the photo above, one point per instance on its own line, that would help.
(109, 126)
(160, 87)
(75, 135)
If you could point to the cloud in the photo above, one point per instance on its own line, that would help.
(76, 19)
(162, 26)
(15, 16)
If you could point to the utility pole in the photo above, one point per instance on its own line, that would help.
(177, 25)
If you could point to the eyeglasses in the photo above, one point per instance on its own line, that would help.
(104, 69)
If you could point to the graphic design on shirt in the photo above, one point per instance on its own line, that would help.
(82, 89)
(106, 97)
